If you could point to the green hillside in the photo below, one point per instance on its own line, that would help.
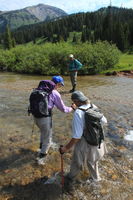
(16, 19)
(111, 24)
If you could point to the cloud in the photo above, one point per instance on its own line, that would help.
(70, 6)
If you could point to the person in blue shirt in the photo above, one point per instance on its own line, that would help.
(83, 152)
(74, 65)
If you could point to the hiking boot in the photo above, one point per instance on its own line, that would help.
(41, 159)
(91, 180)
(40, 145)
(73, 89)
(39, 149)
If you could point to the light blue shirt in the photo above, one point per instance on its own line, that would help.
(78, 122)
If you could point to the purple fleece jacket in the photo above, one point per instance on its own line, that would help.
(55, 100)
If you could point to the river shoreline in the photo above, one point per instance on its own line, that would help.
(126, 73)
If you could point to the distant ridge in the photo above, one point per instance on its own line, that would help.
(29, 15)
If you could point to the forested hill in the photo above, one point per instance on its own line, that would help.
(112, 24)
(29, 15)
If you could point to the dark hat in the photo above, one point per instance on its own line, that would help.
(79, 96)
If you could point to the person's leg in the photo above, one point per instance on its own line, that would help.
(78, 159)
(75, 168)
(94, 172)
(76, 165)
(94, 155)
(45, 126)
(73, 77)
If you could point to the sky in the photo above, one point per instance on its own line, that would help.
(69, 6)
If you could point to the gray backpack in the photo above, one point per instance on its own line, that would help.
(93, 132)
(39, 99)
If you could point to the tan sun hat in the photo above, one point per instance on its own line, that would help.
(71, 56)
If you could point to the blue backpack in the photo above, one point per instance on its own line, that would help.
(39, 99)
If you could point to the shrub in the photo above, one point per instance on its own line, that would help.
(52, 59)
(7, 60)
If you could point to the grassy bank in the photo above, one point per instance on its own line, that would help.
(125, 63)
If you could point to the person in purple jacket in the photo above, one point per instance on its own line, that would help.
(45, 123)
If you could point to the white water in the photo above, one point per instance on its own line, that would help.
(129, 136)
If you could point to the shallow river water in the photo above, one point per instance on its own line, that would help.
(20, 176)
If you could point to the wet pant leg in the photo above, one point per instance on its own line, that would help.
(93, 169)
(78, 159)
(73, 77)
(93, 156)
(45, 126)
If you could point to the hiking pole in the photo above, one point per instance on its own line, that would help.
(32, 131)
(62, 171)
(33, 128)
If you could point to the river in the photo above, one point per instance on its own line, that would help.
(20, 138)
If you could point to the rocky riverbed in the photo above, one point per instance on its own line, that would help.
(20, 176)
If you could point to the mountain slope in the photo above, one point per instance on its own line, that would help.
(29, 15)
(44, 12)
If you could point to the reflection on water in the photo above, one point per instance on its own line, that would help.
(113, 95)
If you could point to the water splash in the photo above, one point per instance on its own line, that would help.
(129, 136)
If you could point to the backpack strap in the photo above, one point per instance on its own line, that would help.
(87, 108)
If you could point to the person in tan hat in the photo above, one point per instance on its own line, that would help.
(74, 65)
(82, 150)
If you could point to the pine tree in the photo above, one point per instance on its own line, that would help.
(13, 42)
(88, 34)
(8, 39)
(74, 38)
(83, 36)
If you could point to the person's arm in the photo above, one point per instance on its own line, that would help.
(58, 102)
(77, 131)
(68, 146)
(78, 64)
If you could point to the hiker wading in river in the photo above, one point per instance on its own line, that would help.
(45, 123)
(73, 66)
(82, 150)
